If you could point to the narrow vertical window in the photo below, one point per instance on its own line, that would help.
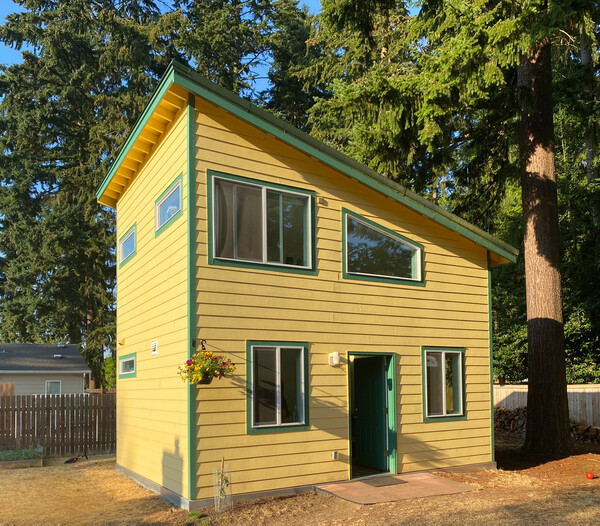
(443, 378)
(127, 245)
(168, 206)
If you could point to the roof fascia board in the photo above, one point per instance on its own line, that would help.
(159, 92)
(250, 113)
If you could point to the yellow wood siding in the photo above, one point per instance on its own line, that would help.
(332, 314)
(152, 304)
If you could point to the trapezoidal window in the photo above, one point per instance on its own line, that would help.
(260, 223)
(374, 252)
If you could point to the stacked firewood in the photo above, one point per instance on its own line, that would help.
(514, 421)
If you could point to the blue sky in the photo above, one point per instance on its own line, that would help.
(10, 56)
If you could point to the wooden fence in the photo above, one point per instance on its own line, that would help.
(61, 424)
(7, 389)
(584, 401)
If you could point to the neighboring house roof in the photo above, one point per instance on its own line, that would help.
(41, 357)
(171, 95)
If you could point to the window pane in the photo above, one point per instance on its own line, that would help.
(292, 397)
(249, 223)
(453, 384)
(294, 229)
(264, 395)
(128, 366)
(170, 205)
(370, 251)
(435, 378)
(224, 219)
(128, 246)
(273, 230)
(52, 387)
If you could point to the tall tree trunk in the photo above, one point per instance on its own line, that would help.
(589, 95)
(548, 431)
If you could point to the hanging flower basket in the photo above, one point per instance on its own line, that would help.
(205, 366)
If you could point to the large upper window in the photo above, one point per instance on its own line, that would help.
(374, 252)
(443, 378)
(277, 380)
(259, 223)
(168, 206)
(127, 246)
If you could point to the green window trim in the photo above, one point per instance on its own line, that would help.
(309, 241)
(420, 265)
(159, 228)
(131, 231)
(462, 390)
(122, 360)
(250, 427)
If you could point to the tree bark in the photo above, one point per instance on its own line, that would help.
(548, 430)
(589, 95)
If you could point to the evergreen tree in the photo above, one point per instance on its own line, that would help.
(87, 70)
(480, 111)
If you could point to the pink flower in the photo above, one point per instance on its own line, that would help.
(189, 362)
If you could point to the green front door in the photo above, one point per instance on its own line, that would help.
(369, 412)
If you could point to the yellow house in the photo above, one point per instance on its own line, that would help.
(357, 313)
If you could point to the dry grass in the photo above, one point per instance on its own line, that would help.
(93, 492)
(82, 493)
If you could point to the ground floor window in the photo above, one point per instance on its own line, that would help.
(443, 379)
(277, 385)
(127, 366)
(53, 387)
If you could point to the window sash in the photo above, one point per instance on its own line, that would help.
(159, 223)
(265, 229)
(416, 260)
(127, 251)
(457, 384)
(48, 385)
(127, 366)
(300, 389)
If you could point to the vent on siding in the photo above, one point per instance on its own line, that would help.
(154, 347)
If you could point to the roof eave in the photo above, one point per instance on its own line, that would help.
(197, 84)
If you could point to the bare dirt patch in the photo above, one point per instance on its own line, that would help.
(525, 490)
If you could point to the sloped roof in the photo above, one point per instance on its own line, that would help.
(20, 357)
(171, 96)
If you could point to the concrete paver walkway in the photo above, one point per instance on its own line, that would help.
(398, 487)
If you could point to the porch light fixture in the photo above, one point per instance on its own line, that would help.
(334, 358)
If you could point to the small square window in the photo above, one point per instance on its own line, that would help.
(443, 383)
(53, 387)
(127, 246)
(127, 366)
(168, 206)
(278, 396)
